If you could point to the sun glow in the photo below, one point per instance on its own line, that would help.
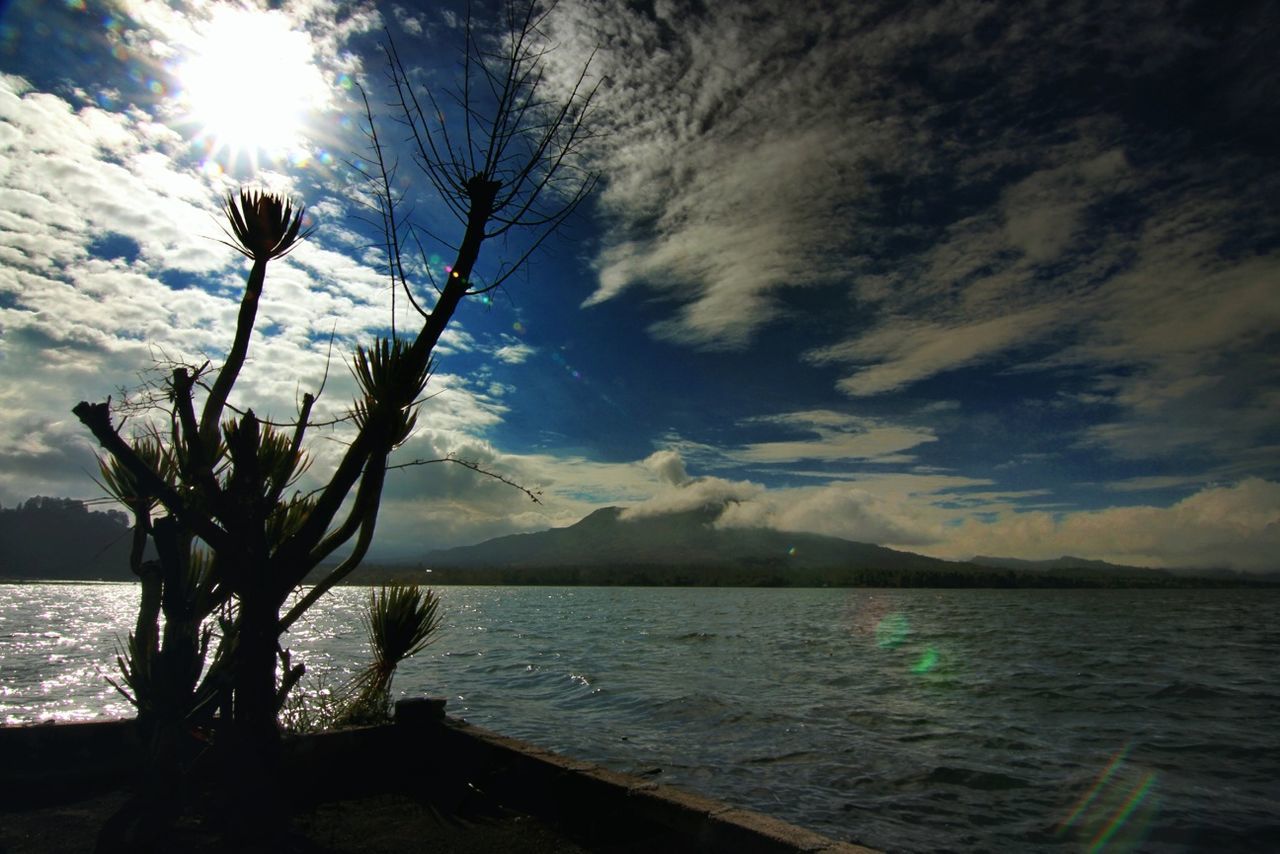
(250, 84)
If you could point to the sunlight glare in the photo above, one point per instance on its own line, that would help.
(250, 83)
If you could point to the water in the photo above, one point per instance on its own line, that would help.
(914, 720)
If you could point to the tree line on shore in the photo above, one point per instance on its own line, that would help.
(46, 538)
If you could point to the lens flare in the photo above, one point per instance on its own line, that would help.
(926, 662)
(1116, 810)
(1088, 797)
(1121, 816)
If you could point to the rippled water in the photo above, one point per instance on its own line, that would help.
(913, 720)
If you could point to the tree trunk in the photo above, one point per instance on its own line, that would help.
(253, 752)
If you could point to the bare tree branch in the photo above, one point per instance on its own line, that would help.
(534, 496)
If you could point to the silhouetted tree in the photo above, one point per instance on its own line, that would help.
(210, 490)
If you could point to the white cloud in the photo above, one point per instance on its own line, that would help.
(1228, 526)
(695, 494)
(410, 23)
(514, 352)
(884, 509)
(716, 156)
(443, 505)
(78, 324)
(848, 511)
(668, 466)
(1155, 482)
(835, 436)
(903, 351)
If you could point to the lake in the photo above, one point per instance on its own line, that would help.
(911, 720)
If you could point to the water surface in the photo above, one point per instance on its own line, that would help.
(914, 720)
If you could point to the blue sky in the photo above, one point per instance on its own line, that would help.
(964, 278)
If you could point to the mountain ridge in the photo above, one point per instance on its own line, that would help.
(610, 536)
(1065, 562)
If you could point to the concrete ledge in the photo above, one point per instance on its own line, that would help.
(47, 762)
(604, 802)
(442, 759)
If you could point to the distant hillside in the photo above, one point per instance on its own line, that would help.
(679, 539)
(1066, 562)
(61, 539)
(687, 549)
(1068, 566)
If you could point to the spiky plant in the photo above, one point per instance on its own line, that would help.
(224, 494)
(401, 621)
(390, 380)
(158, 672)
(263, 226)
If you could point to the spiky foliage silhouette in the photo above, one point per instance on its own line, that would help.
(263, 226)
(401, 621)
(210, 490)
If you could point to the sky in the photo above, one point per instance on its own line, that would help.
(961, 278)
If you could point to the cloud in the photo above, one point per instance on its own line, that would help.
(443, 504)
(676, 492)
(835, 437)
(112, 267)
(514, 352)
(668, 466)
(884, 509)
(1044, 211)
(1234, 526)
(904, 351)
(725, 270)
(410, 23)
(748, 153)
(722, 179)
(838, 510)
(1183, 344)
(695, 494)
(950, 199)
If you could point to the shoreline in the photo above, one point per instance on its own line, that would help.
(1023, 581)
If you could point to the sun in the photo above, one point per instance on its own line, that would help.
(250, 83)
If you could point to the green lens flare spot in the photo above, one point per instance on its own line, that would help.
(927, 662)
(892, 631)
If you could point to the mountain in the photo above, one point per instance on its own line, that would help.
(611, 547)
(1066, 562)
(688, 539)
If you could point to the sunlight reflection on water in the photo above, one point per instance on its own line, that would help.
(58, 645)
